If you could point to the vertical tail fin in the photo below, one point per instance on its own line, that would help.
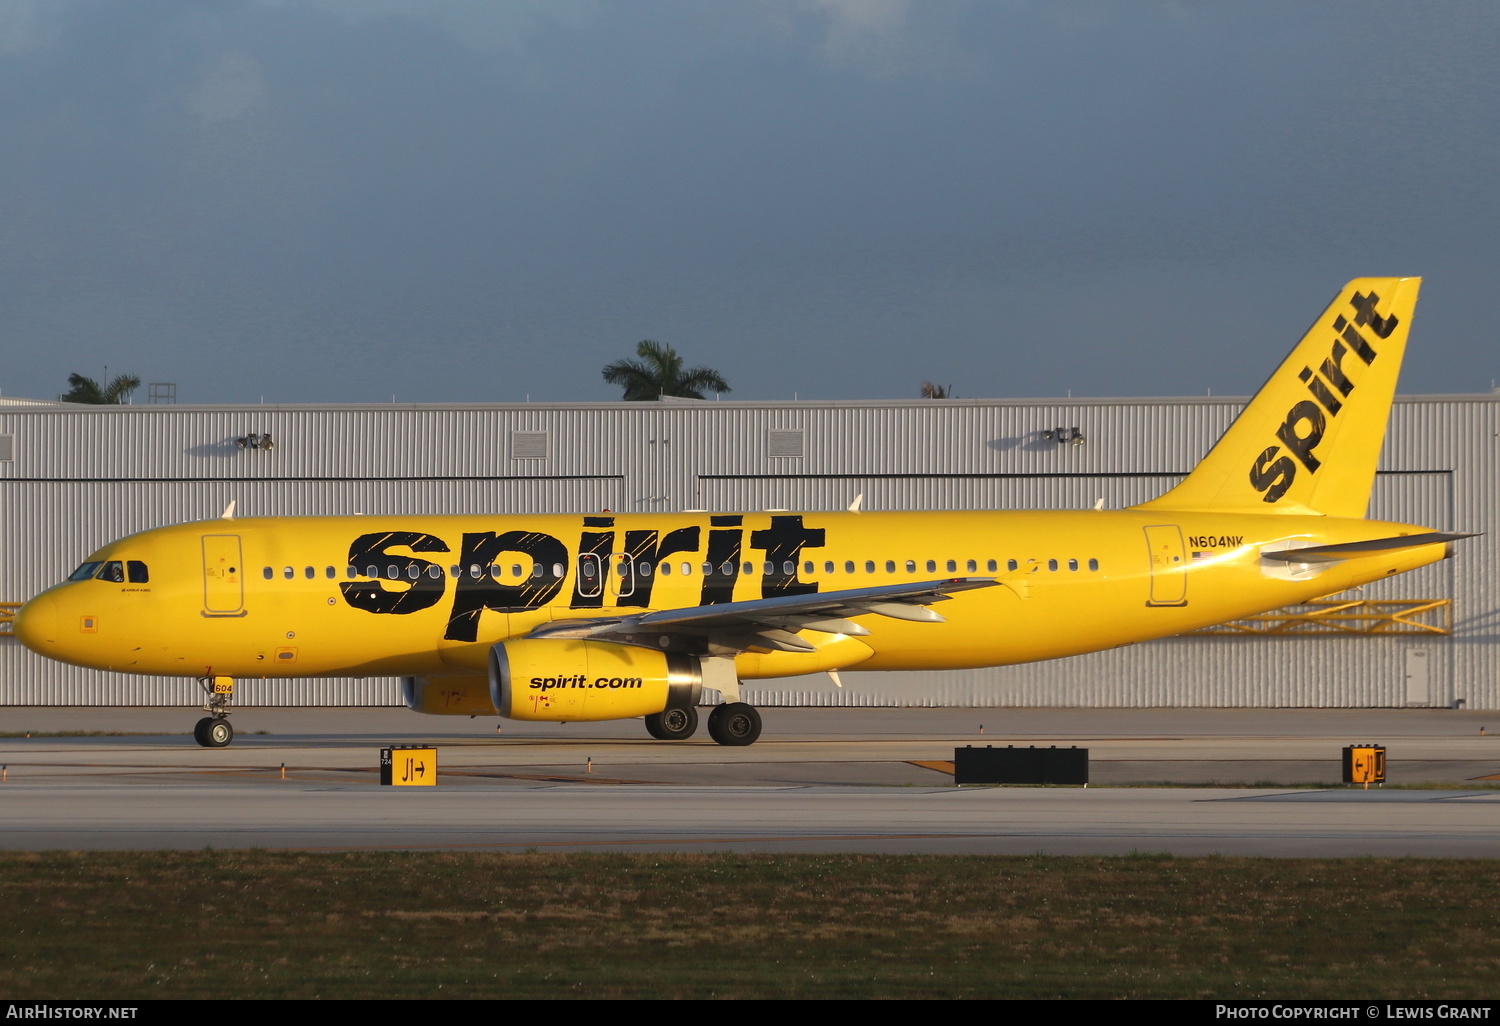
(1309, 440)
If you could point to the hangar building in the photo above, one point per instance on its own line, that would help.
(74, 477)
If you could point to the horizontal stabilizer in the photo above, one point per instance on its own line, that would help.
(1354, 550)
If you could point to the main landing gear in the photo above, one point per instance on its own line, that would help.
(214, 731)
(734, 724)
(673, 724)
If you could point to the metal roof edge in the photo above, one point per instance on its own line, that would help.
(635, 407)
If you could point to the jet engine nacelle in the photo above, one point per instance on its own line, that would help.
(447, 696)
(560, 679)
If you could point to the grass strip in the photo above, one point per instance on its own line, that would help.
(240, 924)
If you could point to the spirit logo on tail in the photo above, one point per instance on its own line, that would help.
(1304, 426)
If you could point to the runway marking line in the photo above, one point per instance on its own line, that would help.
(662, 840)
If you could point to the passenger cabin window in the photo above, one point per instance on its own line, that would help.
(848, 566)
(1093, 564)
(991, 565)
(890, 566)
(828, 567)
(268, 573)
(973, 566)
(1010, 564)
(85, 571)
(952, 566)
(309, 573)
(1052, 564)
(288, 572)
(869, 566)
(330, 573)
(932, 566)
(1072, 564)
(911, 566)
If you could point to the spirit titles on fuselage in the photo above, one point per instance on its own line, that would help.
(477, 589)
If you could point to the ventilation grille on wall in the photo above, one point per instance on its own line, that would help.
(7, 448)
(783, 443)
(528, 445)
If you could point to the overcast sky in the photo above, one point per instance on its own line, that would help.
(342, 200)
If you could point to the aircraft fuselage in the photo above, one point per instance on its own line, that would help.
(429, 595)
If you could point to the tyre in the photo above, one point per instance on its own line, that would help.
(673, 724)
(218, 733)
(200, 731)
(735, 724)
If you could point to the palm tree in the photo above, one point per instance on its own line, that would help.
(659, 372)
(87, 390)
(931, 391)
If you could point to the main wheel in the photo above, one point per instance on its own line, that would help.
(735, 724)
(673, 724)
(218, 733)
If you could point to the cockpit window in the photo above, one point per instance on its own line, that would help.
(86, 571)
(137, 572)
(113, 571)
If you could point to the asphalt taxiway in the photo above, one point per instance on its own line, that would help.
(1187, 781)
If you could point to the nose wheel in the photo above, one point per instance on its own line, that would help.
(213, 732)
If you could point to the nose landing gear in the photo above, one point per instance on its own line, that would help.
(214, 731)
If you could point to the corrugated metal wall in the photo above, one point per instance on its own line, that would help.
(81, 476)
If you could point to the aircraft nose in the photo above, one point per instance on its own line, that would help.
(37, 622)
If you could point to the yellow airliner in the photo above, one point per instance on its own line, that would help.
(608, 616)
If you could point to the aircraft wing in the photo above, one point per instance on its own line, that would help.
(773, 623)
(1354, 550)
